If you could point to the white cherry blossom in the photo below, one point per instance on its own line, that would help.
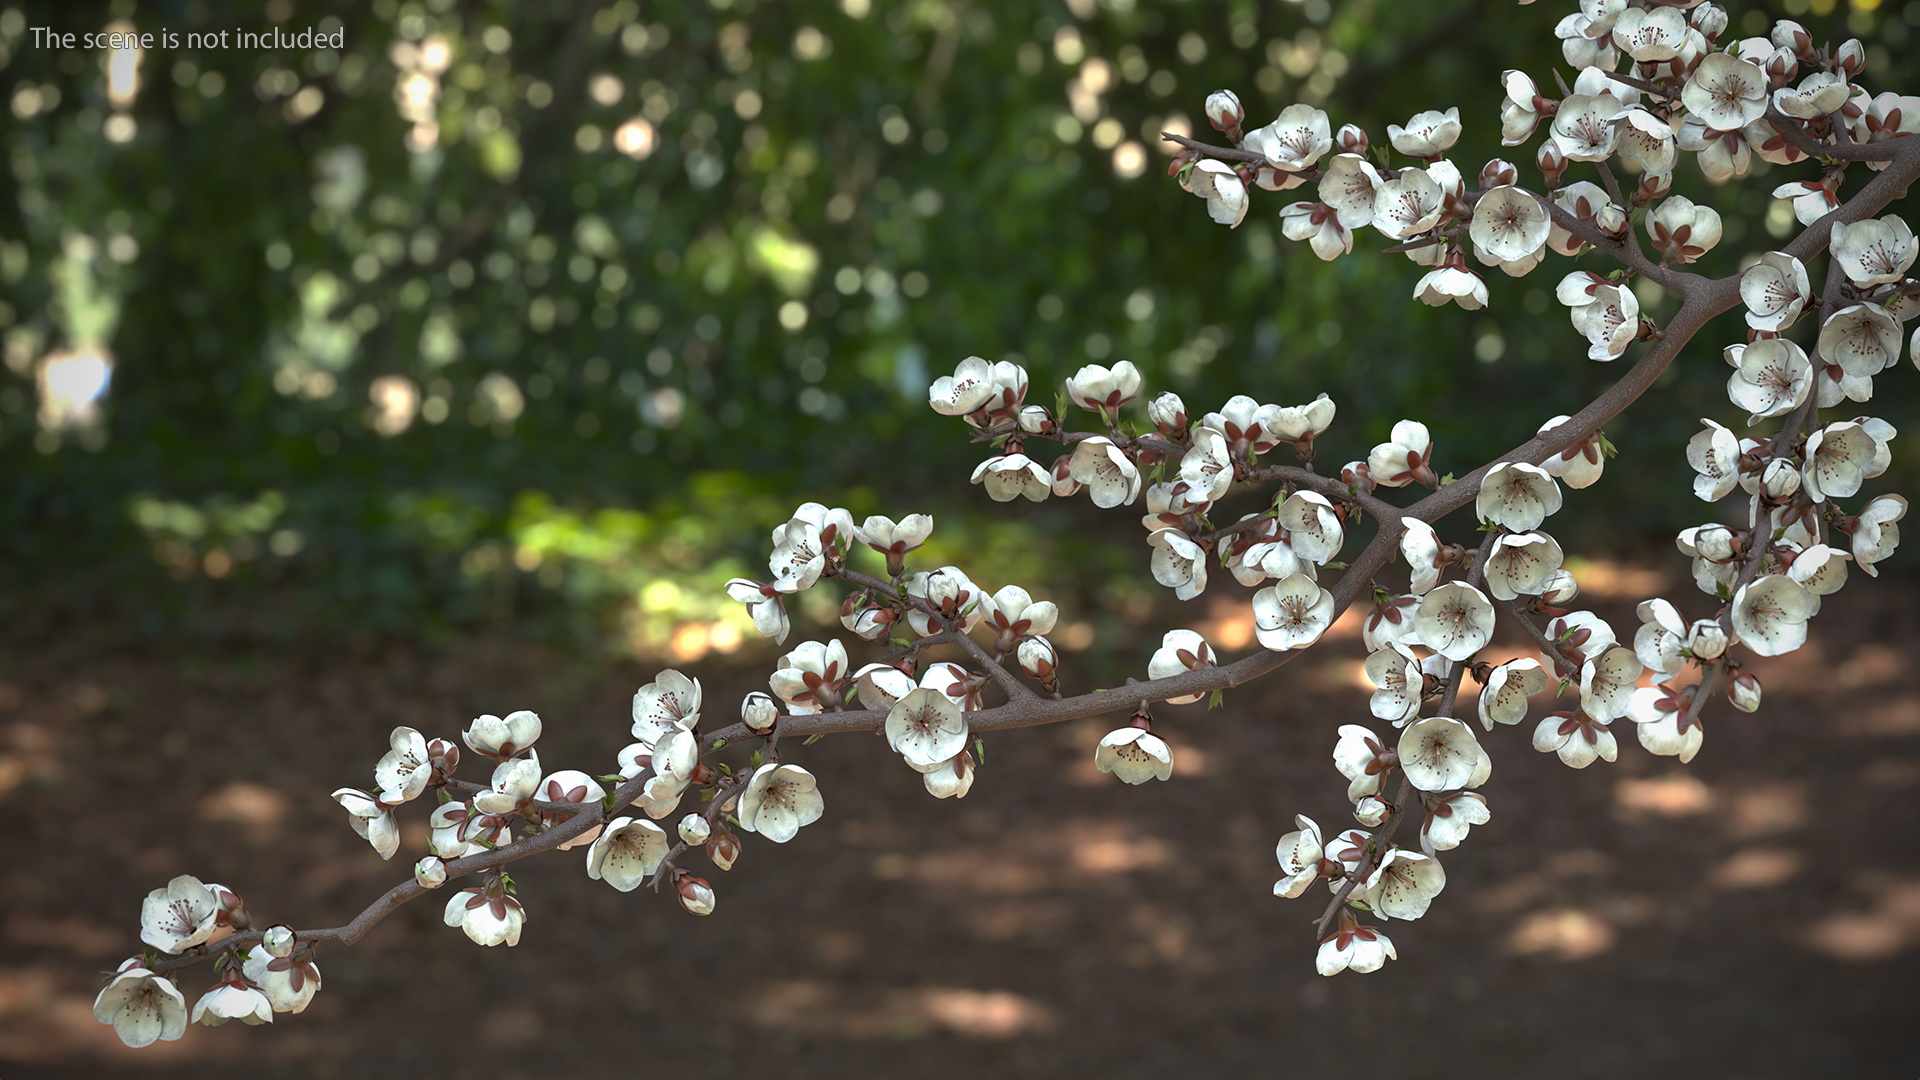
(1650, 35)
(403, 773)
(1520, 110)
(1522, 564)
(1438, 754)
(1207, 466)
(1579, 465)
(1875, 251)
(1404, 884)
(1362, 948)
(1577, 738)
(959, 602)
(1822, 569)
(1812, 199)
(798, 556)
(1449, 820)
(926, 728)
(1657, 711)
(1683, 230)
(491, 736)
(233, 999)
(671, 700)
(1013, 613)
(1299, 853)
(1586, 126)
(1314, 529)
(1349, 186)
(1428, 135)
(1607, 681)
(1662, 638)
(1819, 94)
(1420, 546)
(1775, 290)
(1876, 532)
(1770, 377)
(489, 915)
(1648, 142)
(1295, 141)
(1862, 338)
(513, 782)
(371, 819)
(1451, 283)
(969, 387)
(1180, 651)
(1770, 614)
(764, 607)
(142, 1007)
(779, 800)
(288, 983)
(1404, 458)
(1095, 387)
(1226, 194)
(1504, 699)
(1510, 223)
(1455, 620)
(1013, 476)
(1106, 470)
(624, 856)
(1407, 205)
(1839, 458)
(1610, 322)
(1292, 613)
(811, 676)
(890, 537)
(1726, 93)
(1397, 682)
(1134, 754)
(1517, 496)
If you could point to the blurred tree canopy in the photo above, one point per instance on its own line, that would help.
(504, 301)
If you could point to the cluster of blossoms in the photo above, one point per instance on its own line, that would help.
(1650, 80)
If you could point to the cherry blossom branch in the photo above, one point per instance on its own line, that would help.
(1006, 680)
(716, 809)
(587, 817)
(1567, 668)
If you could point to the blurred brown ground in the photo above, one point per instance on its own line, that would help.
(1755, 914)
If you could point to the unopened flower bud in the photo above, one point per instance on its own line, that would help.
(1357, 475)
(1781, 67)
(1707, 639)
(695, 830)
(1552, 161)
(1370, 811)
(1561, 589)
(1743, 690)
(1652, 187)
(444, 756)
(232, 911)
(430, 872)
(723, 850)
(1852, 58)
(1064, 485)
(278, 940)
(1351, 139)
(1714, 543)
(1791, 36)
(1037, 657)
(757, 711)
(1036, 420)
(696, 895)
(1498, 173)
(1169, 414)
(1710, 20)
(1779, 480)
(1224, 112)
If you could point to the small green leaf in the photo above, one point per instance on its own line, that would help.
(1216, 699)
(980, 751)
(725, 769)
(717, 744)
(811, 739)
(756, 760)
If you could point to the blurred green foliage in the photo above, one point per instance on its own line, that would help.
(510, 303)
